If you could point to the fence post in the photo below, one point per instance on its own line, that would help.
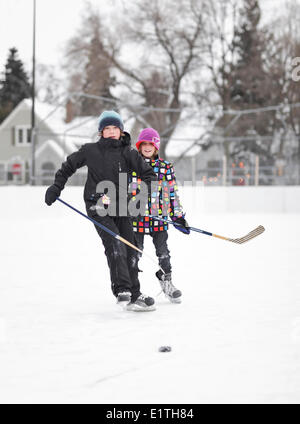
(224, 176)
(256, 179)
(23, 175)
(193, 160)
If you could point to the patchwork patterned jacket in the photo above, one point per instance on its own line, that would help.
(163, 203)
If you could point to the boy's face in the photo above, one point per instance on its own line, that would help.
(147, 149)
(111, 132)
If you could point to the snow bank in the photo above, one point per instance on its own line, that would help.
(202, 199)
(241, 199)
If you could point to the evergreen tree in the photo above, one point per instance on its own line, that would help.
(244, 81)
(249, 83)
(15, 86)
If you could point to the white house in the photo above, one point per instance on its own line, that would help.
(55, 139)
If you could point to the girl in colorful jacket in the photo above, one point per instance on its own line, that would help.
(164, 203)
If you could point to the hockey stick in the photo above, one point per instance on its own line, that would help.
(254, 233)
(113, 234)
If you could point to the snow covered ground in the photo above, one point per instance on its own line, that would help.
(235, 338)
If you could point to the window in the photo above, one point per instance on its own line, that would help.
(23, 135)
(48, 172)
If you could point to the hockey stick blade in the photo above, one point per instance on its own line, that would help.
(256, 232)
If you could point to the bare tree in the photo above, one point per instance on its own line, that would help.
(167, 38)
(48, 84)
(221, 53)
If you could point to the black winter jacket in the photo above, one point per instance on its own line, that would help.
(105, 159)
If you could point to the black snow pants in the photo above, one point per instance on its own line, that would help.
(161, 248)
(122, 259)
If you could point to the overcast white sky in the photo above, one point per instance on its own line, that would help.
(57, 21)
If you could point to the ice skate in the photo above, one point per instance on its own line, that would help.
(123, 298)
(171, 292)
(142, 304)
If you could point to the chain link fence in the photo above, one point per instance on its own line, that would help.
(17, 174)
(250, 175)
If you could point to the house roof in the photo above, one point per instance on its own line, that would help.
(52, 116)
(53, 146)
(15, 111)
(71, 135)
(190, 131)
(84, 129)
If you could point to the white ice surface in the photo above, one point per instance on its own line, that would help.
(235, 337)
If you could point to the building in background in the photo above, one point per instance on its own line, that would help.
(200, 155)
(55, 139)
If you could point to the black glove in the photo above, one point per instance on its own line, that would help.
(52, 193)
(181, 225)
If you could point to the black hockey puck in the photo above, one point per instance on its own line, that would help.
(165, 349)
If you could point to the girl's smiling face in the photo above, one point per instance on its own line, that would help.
(147, 149)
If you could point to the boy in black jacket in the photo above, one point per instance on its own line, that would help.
(106, 159)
